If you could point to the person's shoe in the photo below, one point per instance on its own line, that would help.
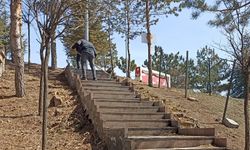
(94, 79)
(83, 78)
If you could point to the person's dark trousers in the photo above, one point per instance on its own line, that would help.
(84, 58)
(78, 57)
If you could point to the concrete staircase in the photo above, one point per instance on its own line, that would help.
(127, 123)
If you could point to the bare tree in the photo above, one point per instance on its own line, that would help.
(233, 17)
(15, 34)
(53, 52)
(27, 18)
(149, 11)
(238, 39)
(49, 17)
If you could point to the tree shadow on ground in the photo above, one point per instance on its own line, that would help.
(15, 117)
(5, 97)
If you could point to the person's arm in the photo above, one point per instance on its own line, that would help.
(74, 46)
(94, 51)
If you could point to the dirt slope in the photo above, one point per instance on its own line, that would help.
(20, 127)
(205, 112)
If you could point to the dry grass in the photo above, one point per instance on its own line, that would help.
(203, 113)
(20, 127)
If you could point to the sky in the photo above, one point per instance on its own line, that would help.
(173, 34)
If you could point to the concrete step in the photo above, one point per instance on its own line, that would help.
(114, 96)
(142, 142)
(140, 123)
(117, 99)
(98, 73)
(203, 147)
(152, 131)
(89, 72)
(122, 103)
(135, 115)
(98, 83)
(113, 92)
(101, 81)
(101, 88)
(146, 126)
(98, 76)
(141, 109)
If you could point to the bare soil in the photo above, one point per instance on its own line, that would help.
(20, 125)
(204, 112)
(69, 127)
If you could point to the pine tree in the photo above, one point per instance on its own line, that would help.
(233, 18)
(149, 11)
(15, 34)
(238, 84)
(173, 64)
(4, 28)
(98, 36)
(211, 70)
(126, 23)
(122, 65)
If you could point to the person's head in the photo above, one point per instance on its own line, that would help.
(79, 42)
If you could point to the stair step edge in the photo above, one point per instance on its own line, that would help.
(169, 137)
(189, 148)
(139, 120)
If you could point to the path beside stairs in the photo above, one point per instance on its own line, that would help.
(124, 121)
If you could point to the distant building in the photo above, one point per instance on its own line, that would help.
(2, 61)
(141, 74)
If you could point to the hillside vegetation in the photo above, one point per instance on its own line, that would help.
(20, 127)
(69, 128)
(205, 112)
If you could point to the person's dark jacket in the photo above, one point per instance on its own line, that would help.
(87, 47)
(77, 47)
(78, 55)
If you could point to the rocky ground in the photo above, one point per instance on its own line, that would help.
(69, 127)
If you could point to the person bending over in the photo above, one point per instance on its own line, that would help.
(88, 53)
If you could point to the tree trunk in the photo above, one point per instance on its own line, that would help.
(111, 53)
(209, 77)
(129, 56)
(41, 79)
(86, 21)
(128, 37)
(246, 115)
(129, 63)
(149, 45)
(16, 25)
(28, 42)
(105, 63)
(186, 76)
(45, 94)
(228, 92)
(41, 91)
(53, 52)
